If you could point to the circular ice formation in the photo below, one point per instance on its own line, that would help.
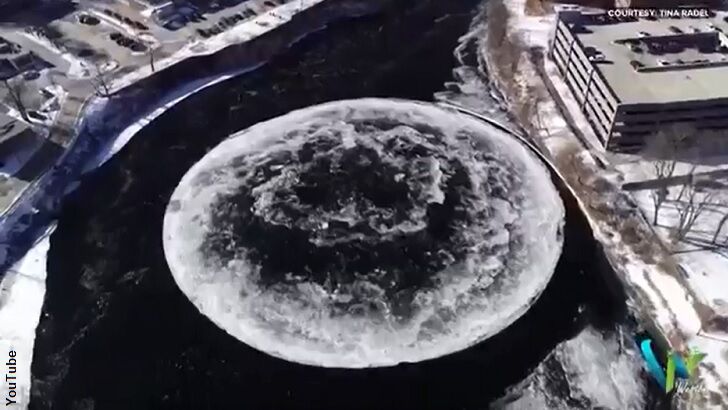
(365, 233)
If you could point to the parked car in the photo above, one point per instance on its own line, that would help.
(88, 20)
(31, 75)
(174, 16)
(138, 47)
(174, 25)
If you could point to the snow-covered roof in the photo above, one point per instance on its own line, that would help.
(681, 70)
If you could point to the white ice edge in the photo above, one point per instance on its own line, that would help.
(217, 300)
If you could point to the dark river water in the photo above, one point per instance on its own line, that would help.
(117, 333)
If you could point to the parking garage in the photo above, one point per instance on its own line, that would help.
(632, 76)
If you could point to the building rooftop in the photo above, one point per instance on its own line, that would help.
(657, 60)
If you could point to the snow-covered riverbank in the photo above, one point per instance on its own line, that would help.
(22, 287)
(659, 299)
(21, 297)
(104, 130)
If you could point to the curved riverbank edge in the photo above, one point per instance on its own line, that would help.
(103, 120)
(104, 127)
(658, 298)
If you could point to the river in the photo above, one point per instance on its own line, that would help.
(117, 333)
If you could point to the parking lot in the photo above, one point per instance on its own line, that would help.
(119, 35)
(53, 66)
(209, 19)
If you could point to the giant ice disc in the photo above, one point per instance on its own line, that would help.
(365, 233)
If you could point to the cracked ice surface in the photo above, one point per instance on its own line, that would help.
(589, 371)
(365, 233)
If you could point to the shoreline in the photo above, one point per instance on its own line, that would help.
(98, 136)
(661, 302)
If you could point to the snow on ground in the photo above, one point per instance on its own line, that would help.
(114, 23)
(52, 106)
(716, 360)
(77, 69)
(536, 32)
(118, 142)
(536, 29)
(77, 66)
(247, 30)
(147, 12)
(706, 267)
(670, 300)
(23, 287)
(667, 301)
(241, 33)
(705, 264)
(21, 297)
(709, 282)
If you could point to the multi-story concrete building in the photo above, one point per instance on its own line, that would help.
(632, 76)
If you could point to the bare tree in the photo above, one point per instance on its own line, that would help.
(100, 82)
(659, 195)
(688, 181)
(722, 207)
(15, 90)
(691, 208)
(663, 150)
(719, 228)
(149, 48)
(151, 58)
